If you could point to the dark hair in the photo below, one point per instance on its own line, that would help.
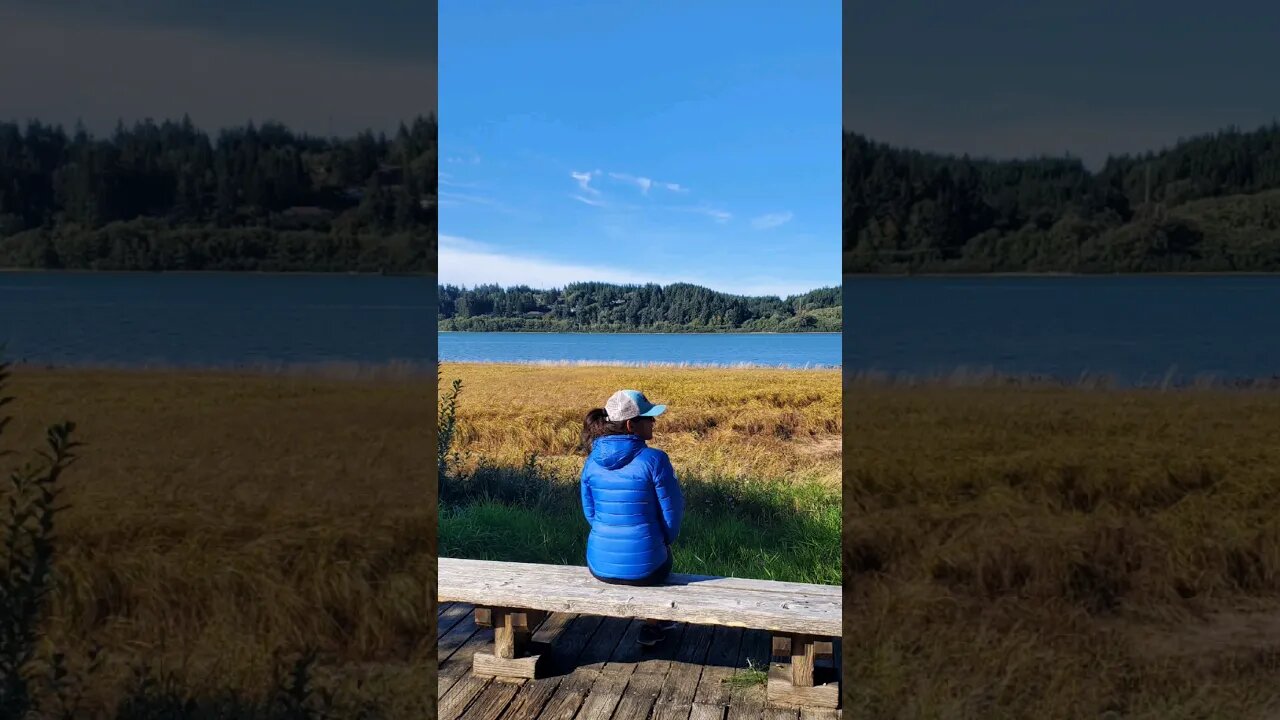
(597, 424)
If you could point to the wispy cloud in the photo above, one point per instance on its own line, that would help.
(720, 216)
(590, 201)
(448, 197)
(584, 180)
(447, 180)
(645, 183)
(469, 263)
(771, 220)
(465, 262)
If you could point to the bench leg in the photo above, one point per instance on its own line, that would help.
(797, 683)
(514, 654)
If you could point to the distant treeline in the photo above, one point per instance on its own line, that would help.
(1211, 203)
(167, 196)
(603, 307)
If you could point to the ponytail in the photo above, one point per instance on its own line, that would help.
(597, 424)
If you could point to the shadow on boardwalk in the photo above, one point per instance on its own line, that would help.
(598, 672)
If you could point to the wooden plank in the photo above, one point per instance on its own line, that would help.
(606, 692)
(603, 697)
(819, 714)
(491, 702)
(530, 699)
(458, 665)
(650, 677)
(466, 640)
(780, 713)
(603, 644)
(455, 699)
(568, 697)
(703, 711)
(803, 656)
(569, 643)
(451, 616)
(567, 635)
(457, 637)
(639, 696)
(628, 652)
(511, 631)
(837, 661)
(757, 604)
(573, 690)
(573, 572)
(527, 666)
(747, 702)
(781, 691)
(721, 662)
(658, 661)
(459, 569)
(675, 702)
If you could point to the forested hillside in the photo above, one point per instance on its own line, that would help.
(1210, 203)
(603, 307)
(168, 196)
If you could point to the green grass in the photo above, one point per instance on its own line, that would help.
(751, 676)
(756, 451)
(772, 530)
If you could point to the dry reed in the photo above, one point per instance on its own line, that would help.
(1061, 552)
(219, 522)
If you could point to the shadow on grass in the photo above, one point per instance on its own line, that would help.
(772, 530)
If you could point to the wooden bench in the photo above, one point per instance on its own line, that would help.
(513, 598)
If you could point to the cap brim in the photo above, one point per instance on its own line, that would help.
(654, 411)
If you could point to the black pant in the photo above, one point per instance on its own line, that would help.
(654, 578)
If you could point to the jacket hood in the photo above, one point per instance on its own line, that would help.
(614, 451)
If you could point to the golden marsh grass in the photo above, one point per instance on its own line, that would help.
(758, 422)
(217, 520)
(1051, 552)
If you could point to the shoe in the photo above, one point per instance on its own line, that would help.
(667, 625)
(649, 636)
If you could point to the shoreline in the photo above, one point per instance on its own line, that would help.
(1062, 274)
(414, 370)
(337, 370)
(642, 365)
(395, 369)
(86, 271)
(637, 332)
(965, 378)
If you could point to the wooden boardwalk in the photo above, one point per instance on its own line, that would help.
(598, 672)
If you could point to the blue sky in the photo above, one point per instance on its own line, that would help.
(319, 66)
(640, 142)
(1010, 78)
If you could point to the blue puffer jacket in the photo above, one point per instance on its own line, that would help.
(632, 500)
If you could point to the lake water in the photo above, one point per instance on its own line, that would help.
(212, 319)
(790, 350)
(1137, 329)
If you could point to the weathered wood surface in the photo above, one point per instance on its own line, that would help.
(779, 607)
(782, 690)
(598, 671)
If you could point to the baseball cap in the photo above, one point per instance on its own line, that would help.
(628, 404)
